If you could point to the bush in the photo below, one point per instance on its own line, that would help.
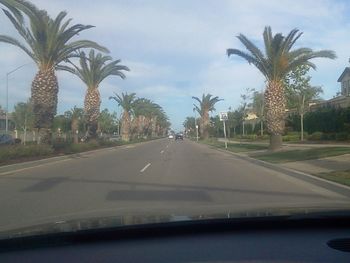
(264, 137)
(24, 151)
(249, 137)
(316, 136)
(289, 138)
(341, 136)
(328, 136)
(81, 147)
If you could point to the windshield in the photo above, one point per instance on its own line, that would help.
(172, 110)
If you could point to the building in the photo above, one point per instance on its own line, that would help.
(343, 99)
(344, 79)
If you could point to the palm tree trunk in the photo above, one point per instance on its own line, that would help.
(205, 124)
(275, 113)
(92, 104)
(44, 98)
(154, 126)
(126, 126)
(74, 128)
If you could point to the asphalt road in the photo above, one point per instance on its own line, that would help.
(158, 177)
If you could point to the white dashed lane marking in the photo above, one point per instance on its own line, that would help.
(144, 168)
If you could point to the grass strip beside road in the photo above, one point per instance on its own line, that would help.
(237, 148)
(21, 153)
(342, 177)
(300, 155)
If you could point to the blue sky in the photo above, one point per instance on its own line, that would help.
(176, 49)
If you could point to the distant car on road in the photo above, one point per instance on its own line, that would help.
(171, 136)
(179, 136)
(6, 139)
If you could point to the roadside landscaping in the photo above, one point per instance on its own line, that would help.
(300, 155)
(296, 157)
(21, 153)
(342, 177)
(237, 148)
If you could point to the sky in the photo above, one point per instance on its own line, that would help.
(177, 49)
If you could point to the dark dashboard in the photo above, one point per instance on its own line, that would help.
(245, 240)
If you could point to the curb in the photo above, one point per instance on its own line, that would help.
(330, 185)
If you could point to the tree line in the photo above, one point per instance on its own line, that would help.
(49, 43)
(277, 62)
(299, 95)
(141, 118)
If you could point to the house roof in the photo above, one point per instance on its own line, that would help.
(346, 71)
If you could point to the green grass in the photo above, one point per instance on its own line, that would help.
(342, 177)
(20, 153)
(235, 147)
(301, 155)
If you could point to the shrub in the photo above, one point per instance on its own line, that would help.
(81, 147)
(316, 136)
(264, 137)
(289, 138)
(328, 136)
(341, 136)
(24, 151)
(249, 137)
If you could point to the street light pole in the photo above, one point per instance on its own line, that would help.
(7, 103)
(195, 123)
(7, 94)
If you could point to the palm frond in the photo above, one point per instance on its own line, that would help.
(49, 41)
(15, 42)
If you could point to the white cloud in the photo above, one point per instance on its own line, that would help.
(176, 49)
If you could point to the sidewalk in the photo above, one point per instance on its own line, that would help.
(290, 144)
(323, 165)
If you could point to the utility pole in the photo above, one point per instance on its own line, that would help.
(195, 122)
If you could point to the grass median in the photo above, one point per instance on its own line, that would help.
(342, 177)
(21, 153)
(235, 147)
(300, 155)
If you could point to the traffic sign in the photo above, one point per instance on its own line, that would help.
(223, 116)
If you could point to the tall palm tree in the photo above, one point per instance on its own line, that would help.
(48, 42)
(275, 63)
(92, 71)
(142, 108)
(77, 115)
(126, 101)
(206, 105)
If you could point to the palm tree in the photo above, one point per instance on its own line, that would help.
(206, 105)
(77, 115)
(274, 64)
(142, 112)
(92, 71)
(48, 42)
(126, 101)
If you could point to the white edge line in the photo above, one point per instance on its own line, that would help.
(144, 168)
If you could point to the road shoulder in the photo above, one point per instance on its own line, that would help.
(329, 185)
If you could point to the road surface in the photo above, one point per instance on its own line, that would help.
(158, 177)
